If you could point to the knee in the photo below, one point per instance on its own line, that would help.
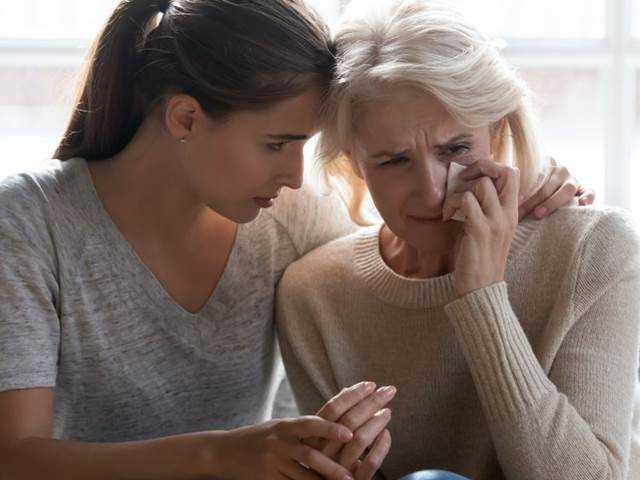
(433, 475)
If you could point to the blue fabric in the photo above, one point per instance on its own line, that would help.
(433, 475)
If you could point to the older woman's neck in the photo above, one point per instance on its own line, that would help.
(411, 262)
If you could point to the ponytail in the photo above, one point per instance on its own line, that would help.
(106, 112)
(228, 54)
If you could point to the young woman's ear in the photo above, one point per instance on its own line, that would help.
(180, 114)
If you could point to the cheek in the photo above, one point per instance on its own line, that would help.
(239, 161)
(389, 193)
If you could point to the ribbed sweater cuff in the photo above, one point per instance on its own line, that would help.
(506, 372)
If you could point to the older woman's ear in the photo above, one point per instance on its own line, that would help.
(497, 138)
(355, 166)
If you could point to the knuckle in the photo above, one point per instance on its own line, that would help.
(547, 190)
(570, 186)
(485, 182)
(332, 408)
(306, 455)
(349, 420)
(467, 198)
(279, 428)
(371, 463)
(495, 227)
(360, 440)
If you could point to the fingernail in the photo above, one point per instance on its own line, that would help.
(541, 212)
(369, 387)
(385, 412)
(388, 391)
(345, 435)
(347, 477)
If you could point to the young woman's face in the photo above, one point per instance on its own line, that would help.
(404, 145)
(238, 166)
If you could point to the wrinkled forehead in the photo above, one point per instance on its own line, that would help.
(399, 116)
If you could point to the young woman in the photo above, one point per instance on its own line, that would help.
(138, 272)
(513, 347)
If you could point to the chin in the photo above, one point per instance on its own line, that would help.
(436, 239)
(237, 215)
(244, 217)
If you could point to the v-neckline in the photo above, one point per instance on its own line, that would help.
(152, 286)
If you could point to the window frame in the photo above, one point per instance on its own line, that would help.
(616, 57)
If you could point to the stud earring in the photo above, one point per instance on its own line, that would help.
(183, 140)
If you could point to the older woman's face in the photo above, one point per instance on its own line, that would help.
(404, 146)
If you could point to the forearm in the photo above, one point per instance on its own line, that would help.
(189, 456)
(537, 431)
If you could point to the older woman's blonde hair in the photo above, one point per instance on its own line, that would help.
(428, 45)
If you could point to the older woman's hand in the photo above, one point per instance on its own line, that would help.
(556, 188)
(361, 408)
(490, 206)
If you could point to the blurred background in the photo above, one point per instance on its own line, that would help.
(580, 57)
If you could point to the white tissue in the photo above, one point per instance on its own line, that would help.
(452, 183)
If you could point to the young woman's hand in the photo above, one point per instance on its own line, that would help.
(276, 450)
(490, 206)
(556, 188)
(361, 408)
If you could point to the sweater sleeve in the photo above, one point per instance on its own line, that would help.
(575, 423)
(311, 218)
(303, 353)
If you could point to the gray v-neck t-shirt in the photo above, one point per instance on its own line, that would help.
(81, 313)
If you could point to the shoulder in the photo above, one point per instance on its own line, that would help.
(290, 207)
(599, 247)
(28, 183)
(47, 185)
(310, 217)
(610, 230)
(25, 197)
(35, 203)
(328, 265)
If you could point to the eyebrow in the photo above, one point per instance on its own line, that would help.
(457, 138)
(389, 154)
(288, 137)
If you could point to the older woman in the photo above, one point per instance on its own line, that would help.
(513, 347)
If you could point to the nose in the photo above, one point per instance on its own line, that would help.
(431, 182)
(292, 171)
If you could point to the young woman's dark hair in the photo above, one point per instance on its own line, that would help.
(230, 55)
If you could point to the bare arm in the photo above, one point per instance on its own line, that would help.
(270, 450)
(27, 448)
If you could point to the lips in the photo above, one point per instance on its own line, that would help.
(264, 202)
(426, 220)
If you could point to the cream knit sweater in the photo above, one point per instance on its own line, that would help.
(535, 378)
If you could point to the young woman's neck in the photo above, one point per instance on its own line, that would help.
(144, 185)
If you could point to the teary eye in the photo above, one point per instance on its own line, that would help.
(395, 161)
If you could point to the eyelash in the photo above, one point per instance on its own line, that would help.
(457, 150)
(452, 151)
(277, 147)
(394, 162)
